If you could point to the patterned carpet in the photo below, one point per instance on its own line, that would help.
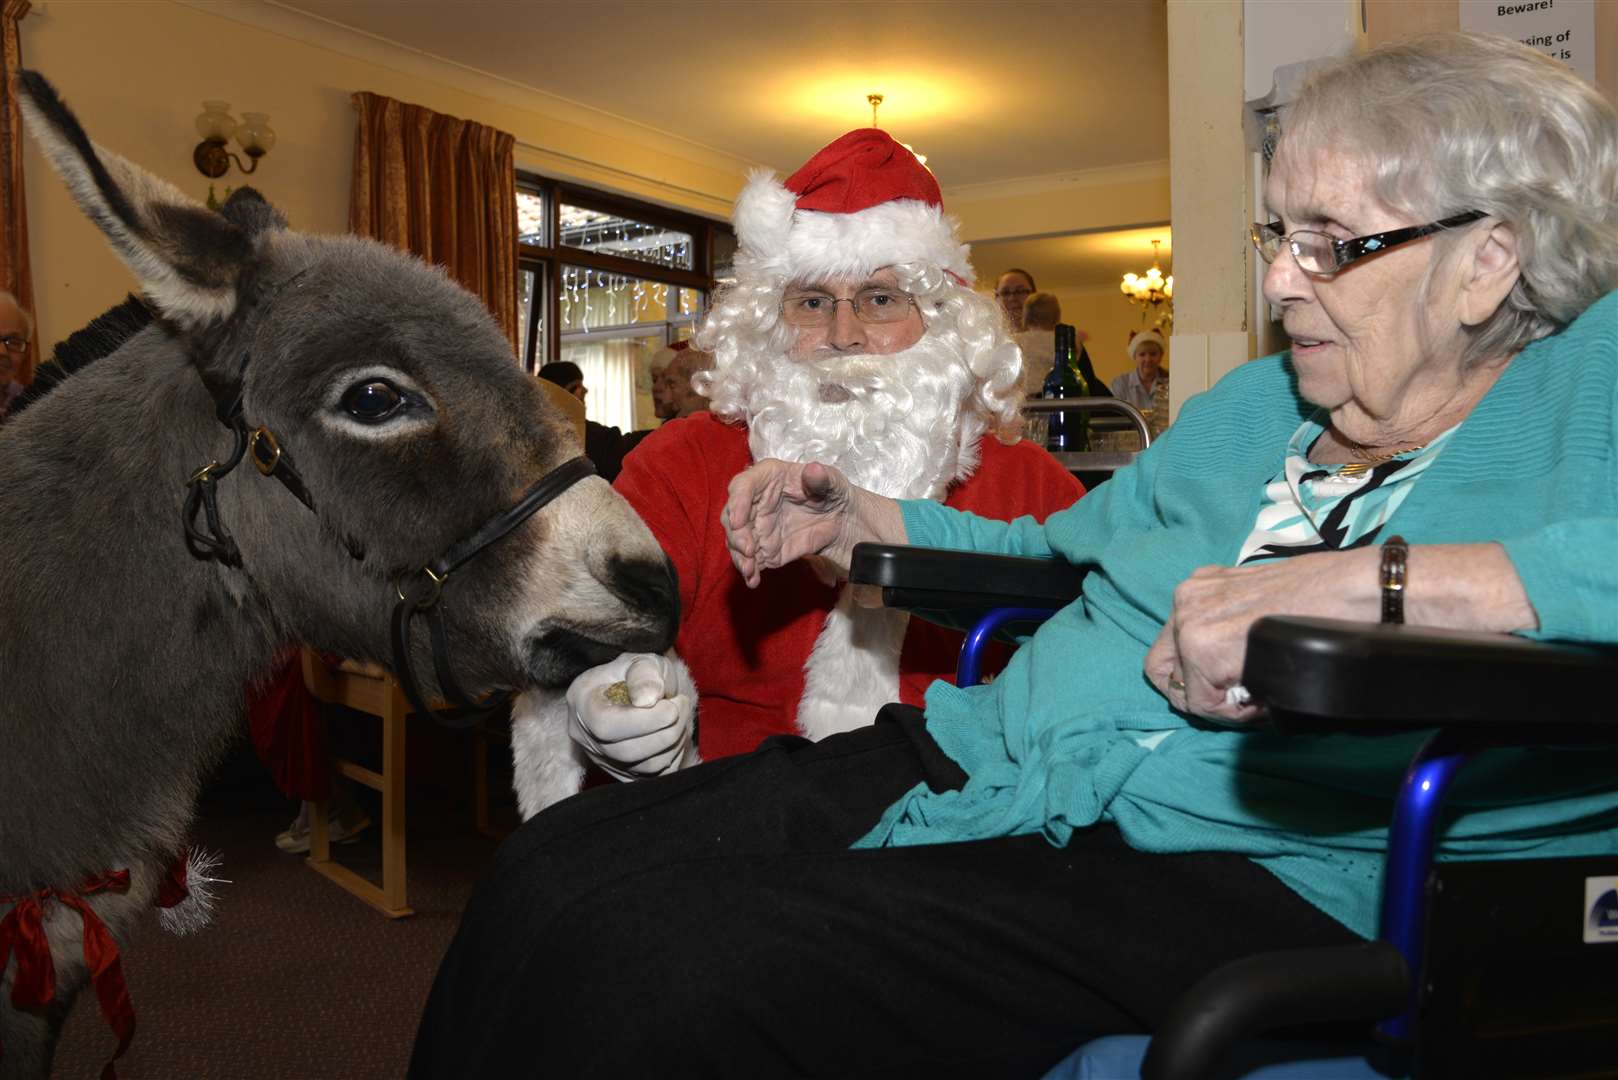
(295, 979)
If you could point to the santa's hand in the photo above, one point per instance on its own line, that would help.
(634, 715)
(779, 511)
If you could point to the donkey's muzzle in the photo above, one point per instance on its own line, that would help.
(650, 589)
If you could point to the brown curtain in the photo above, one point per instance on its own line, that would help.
(444, 189)
(14, 275)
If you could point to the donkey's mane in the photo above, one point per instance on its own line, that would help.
(102, 337)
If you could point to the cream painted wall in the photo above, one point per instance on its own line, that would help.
(136, 73)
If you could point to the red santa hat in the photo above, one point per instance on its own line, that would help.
(1142, 337)
(861, 203)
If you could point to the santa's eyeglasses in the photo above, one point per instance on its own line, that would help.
(873, 305)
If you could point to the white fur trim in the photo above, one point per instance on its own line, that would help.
(853, 669)
(779, 241)
(196, 911)
(1142, 338)
(546, 765)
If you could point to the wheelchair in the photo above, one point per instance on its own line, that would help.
(1481, 969)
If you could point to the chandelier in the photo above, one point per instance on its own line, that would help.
(875, 100)
(1153, 292)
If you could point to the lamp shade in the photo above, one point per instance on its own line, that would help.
(255, 135)
(215, 121)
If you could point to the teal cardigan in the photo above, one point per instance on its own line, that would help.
(1072, 734)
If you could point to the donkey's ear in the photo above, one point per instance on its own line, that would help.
(187, 257)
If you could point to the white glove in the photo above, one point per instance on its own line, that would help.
(650, 736)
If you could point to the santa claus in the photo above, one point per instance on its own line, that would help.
(851, 336)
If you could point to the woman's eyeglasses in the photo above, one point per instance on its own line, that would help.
(1318, 253)
(874, 305)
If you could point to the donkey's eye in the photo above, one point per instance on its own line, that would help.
(372, 401)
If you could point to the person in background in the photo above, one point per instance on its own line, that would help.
(673, 396)
(603, 445)
(1060, 853)
(1137, 385)
(1014, 287)
(1037, 340)
(849, 336)
(16, 330)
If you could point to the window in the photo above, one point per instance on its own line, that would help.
(604, 282)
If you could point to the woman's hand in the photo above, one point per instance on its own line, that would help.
(1197, 659)
(779, 511)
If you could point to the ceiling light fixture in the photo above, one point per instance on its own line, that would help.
(1153, 292)
(875, 100)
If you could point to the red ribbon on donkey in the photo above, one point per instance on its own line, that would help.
(23, 931)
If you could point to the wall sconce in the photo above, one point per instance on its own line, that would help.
(216, 126)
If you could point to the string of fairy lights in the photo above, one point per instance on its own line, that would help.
(595, 298)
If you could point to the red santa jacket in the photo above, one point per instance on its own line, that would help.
(746, 648)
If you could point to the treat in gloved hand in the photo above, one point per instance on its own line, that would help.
(618, 693)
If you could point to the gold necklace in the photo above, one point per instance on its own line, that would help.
(1355, 469)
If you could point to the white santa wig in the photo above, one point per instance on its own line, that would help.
(862, 204)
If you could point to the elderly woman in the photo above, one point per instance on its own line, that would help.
(1061, 852)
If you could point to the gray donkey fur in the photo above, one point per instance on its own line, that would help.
(125, 657)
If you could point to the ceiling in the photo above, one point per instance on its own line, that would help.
(991, 92)
(1079, 260)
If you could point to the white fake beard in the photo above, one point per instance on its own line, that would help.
(892, 424)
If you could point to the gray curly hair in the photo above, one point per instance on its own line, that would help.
(1454, 122)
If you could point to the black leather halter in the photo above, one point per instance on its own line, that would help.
(213, 541)
(424, 591)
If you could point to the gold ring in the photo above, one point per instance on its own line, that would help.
(1176, 684)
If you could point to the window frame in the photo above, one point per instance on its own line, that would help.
(546, 261)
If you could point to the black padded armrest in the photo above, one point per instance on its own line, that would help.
(1393, 676)
(1365, 981)
(935, 579)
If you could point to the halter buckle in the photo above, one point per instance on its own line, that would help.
(432, 597)
(265, 436)
(204, 474)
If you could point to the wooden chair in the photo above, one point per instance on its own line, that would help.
(368, 689)
(371, 689)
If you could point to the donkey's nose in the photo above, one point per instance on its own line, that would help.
(651, 588)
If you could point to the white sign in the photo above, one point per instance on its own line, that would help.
(1562, 29)
(1600, 910)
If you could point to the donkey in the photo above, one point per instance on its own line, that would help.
(388, 405)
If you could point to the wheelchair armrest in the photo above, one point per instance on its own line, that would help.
(935, 579)
(1246, 997)
(1394, 676)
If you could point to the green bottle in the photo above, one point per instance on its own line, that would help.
(1078, 424)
